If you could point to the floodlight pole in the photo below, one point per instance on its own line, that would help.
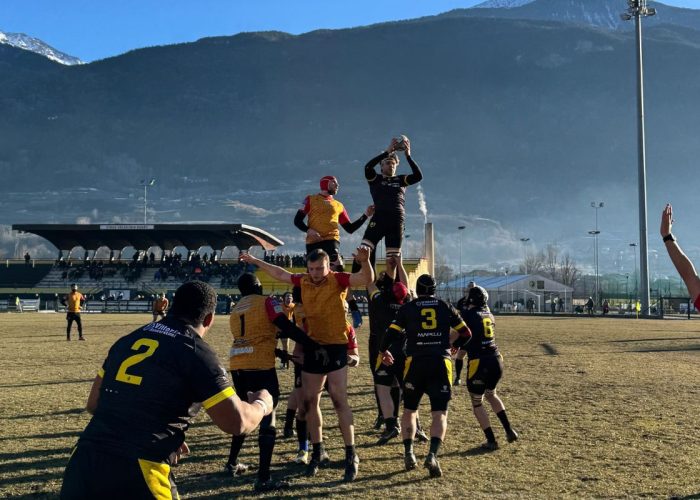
(461, 278)
(637, 10)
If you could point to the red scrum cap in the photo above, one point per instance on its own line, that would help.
(400, 292)
(327, 180)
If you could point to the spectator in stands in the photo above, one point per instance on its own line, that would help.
(27, 258)
(74, 302)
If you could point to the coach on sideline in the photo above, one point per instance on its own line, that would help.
(152, 383)
(680, 260)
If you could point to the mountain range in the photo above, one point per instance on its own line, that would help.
(519, 117)
(31, 44)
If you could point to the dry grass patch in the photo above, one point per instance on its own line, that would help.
(605, 408)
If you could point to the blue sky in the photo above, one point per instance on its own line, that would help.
(94, 29)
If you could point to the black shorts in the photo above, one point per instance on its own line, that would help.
(484, 373)
(387, 227)
(92, 473)
(73, 316)
(373, 352)
(387, 375)
(325, 359)
(255, 380)
(428, 375)
(331, 247)
(297, 375)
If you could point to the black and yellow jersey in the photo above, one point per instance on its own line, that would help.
(389, 193)
(154, 381)
(483, 343)
(382, 309)
(427, 322)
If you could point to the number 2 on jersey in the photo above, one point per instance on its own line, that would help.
(122, 376)
(429, 318)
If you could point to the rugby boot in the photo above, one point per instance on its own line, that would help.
(490, 445)
(410, 461)
(431, 463)
(351, 467)
(421, 436)
(236, 469)
(302, 457)
(270, 485)
(388, 435)
(512, 436)
(312, 468)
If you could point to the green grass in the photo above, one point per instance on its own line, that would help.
(605, 408)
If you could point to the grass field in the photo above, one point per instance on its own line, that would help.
(604, 407)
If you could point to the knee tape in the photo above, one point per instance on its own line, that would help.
(477, 399)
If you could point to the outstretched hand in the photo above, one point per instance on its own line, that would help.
(392, 145)
(247, 258)
(362, 254)
(666, 220)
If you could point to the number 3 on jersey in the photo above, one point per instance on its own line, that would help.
(122, 376)
(429, 318)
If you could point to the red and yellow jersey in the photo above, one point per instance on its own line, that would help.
(324, 307)
(160, 305)
(325, 215)
(73, 301)
(254, 335)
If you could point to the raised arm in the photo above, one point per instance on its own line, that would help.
(402, 276)
(351, 227)
(680, 260)
(274, 271)
(365, 275)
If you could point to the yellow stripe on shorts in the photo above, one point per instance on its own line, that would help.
(473, 367)
(448, 365)
(157, 478)
(407, 366)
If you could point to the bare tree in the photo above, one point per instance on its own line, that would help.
(568, 272)
(533, 263)
(550, 265)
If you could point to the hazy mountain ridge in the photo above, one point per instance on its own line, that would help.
(517, 124)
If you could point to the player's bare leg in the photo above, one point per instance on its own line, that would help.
(312, 385)
(408, 433)
(438, 429)
(338, 391)
(500, 410)
(483, 418)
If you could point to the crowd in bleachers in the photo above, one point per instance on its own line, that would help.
(282, 260)
(173, 267)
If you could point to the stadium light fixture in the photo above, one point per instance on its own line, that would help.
(638, 9)
(146, 183)
(524, 242)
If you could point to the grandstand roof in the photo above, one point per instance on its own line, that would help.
(144, 236)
